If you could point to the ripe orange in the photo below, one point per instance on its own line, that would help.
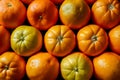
(114, 39)
(59, 40)
(92, 40)
(10, 15)
(4, 39)
(12, 66)
(42, 66)
(107, 66)
(106, 13)
(42, 14)
(74, 13)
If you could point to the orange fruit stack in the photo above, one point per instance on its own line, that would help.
(59, 39)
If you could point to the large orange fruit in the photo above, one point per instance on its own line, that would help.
(42, 66)
(12, 66)
(74, 13)
(10, 15)
(76, 66)
(92, 40)
(59, 40)
(4, 39)
(26, 40)
(107, 66)
(42, 14)
(106, 13)
(114, 39)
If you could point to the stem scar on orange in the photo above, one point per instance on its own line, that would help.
(59, 40)
(92, 40)
(42, 14)
(74, 13)
(10, 15)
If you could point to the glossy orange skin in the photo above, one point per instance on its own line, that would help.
(4, 39)
(59, 40)
(57, 1)
(12, 66)
(114, 39)
(92, 40)
(27, 1)
(42, 66)
(74, 13)
(10, 15)
(106, 13)
(107, 66)
(42, 14)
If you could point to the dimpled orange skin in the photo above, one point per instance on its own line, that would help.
(42, 66)
(106, 13)
(59, 40)
(107, 66)
(92, 40)
(12, 66)
(42, 14)
(10, 15)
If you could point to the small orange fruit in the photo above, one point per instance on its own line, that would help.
(107, 66)
(42, 14)
(10, 15)
(59, 40)
(74, 13)
(12, 66)
(42, 66)
(92, 40)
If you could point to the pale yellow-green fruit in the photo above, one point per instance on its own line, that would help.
(76, 66)
(26, 40)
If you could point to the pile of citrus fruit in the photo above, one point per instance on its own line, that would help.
(59, 40)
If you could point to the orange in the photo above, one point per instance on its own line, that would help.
(107, 66)
(76, 66)
(4, 39)
(92, 40)
(12, 66)
(106, 13)
(74, 13)
(42, 66)
(59, 40)
(42, 14)
(114, 39)
(12, 13)
(26, 40)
